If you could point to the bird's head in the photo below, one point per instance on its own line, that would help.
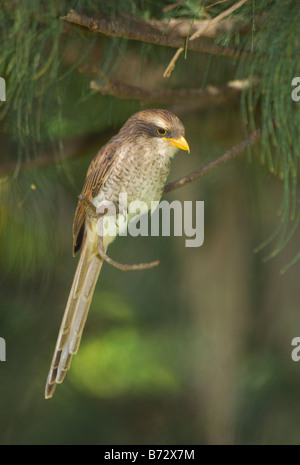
(159, 129)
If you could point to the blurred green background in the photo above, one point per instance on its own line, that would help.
(195, 351)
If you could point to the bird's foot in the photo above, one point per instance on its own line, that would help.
(93, 210)
(90, 206)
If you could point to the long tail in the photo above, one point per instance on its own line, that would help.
(75, 315)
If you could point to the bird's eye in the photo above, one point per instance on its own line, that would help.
(161, 131)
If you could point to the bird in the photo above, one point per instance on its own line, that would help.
(135, 161)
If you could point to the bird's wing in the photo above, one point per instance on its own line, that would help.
(98, 172)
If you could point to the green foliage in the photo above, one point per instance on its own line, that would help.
(268, 104)
(39, 52)
(41, 55)
(35, 62)
(124, 362)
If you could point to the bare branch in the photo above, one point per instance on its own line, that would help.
(231, 153)
(207, 96)
(141, 31)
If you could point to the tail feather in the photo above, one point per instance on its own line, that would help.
(75, 315)
(63, 365)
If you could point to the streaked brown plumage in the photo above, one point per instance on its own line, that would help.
(136, 161)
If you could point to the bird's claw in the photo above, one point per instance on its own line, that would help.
(90, 206)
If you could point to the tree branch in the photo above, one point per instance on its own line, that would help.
(47, 159)
(231, 153)
(209, 95)
(139, 30)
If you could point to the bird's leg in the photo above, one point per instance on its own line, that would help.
(122, 266)
(92, 209)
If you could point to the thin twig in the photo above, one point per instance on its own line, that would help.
(231, 153)
(216, 3)
(101, 250)
(123, 266)
(200, 32)
(171, 7)
(142, 32)
(182, 27)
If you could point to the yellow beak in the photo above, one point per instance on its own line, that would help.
(181, 143)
